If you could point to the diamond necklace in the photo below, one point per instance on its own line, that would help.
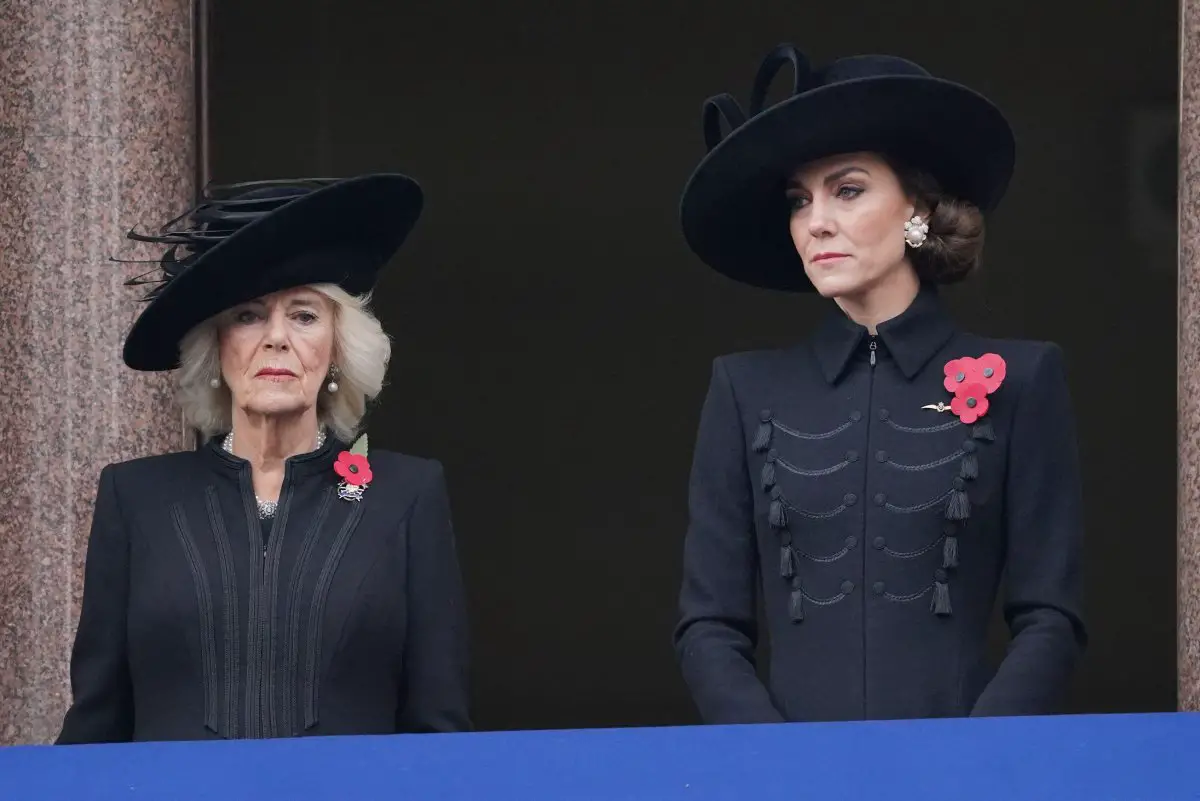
(266, 509)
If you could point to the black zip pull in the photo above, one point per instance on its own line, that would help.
(873, 346)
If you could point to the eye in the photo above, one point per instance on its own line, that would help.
(797, 202)
(245, 316)
(305, 317)
(848, 192)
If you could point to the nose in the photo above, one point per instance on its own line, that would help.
(820, 219)
(276, 334)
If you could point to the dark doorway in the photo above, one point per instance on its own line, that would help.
(554, 335)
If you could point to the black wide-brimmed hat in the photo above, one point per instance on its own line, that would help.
(734, 211)
(243, 241)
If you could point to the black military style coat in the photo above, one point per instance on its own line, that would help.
(878, 531)
(199, 621)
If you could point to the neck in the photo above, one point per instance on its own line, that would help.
(883, 301)
(268, 440)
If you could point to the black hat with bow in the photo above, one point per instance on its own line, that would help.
(734, 209)
(243, 241)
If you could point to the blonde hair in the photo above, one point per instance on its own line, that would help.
(361, 351)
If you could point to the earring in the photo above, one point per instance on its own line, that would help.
(333, 385)
(215, 383)
(915, 231)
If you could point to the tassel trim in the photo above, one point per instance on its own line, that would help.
(940, 605)
(768, 472)
(777, 516)
(762, 438)
(959, 507)
(787, 564)
(950, 552)
(970, 467)
(796, 605)
(776, 513)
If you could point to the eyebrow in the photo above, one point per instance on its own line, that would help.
(836, 175)
(302, 300)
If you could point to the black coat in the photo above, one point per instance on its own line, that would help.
(880, 530)
(200, 622)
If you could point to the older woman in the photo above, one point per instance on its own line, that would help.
(876, 482)
(278, 581)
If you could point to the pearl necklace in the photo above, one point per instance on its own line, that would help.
(267, 509)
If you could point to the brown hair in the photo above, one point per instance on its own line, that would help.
(954, 247)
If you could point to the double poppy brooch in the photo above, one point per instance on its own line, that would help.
(970, 381)
(354, 469)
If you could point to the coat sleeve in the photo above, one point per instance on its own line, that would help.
(435, 691)
(102, 695)
(717, 633)
(1043, 509)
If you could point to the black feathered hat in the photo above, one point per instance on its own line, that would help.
(243, 241)
(734, 210)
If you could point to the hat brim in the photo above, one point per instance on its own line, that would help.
(734, 211)
(342, 234)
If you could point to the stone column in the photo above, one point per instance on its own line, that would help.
(96, 136)
(1188, 542)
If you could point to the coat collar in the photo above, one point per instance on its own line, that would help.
(316, 462)
(911, 338)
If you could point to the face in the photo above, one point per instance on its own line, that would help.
(847, 222)
(276, 351)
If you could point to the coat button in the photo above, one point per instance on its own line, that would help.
(939, 575)
(969, 446)
(850, 499)
(856, 415)
(878, 588)
(847, 587)
(879, 542)
(851, 456)
(948, 528)
(765, 415)
(959, 484)
(851, 541)
(880, 499)
(881, 456)
(772, 455)
(883, 414)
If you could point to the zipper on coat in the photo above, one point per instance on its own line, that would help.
(873, 346)
(270, 591)
(258, 622)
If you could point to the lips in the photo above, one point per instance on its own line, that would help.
(274, 372)
(829, 256)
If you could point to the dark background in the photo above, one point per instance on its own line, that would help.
(554, 335)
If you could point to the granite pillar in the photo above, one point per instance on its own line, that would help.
(1188, 543)
(96, 136)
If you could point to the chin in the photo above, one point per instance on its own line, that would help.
(837, 287)
(277, 403)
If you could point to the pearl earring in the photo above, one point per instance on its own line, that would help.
(215, 383)
(916, 231)
(333, 385)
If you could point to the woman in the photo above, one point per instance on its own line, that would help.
(272, 583)
(880, 477)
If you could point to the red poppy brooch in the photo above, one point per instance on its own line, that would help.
(355, 471)
(971, 381)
